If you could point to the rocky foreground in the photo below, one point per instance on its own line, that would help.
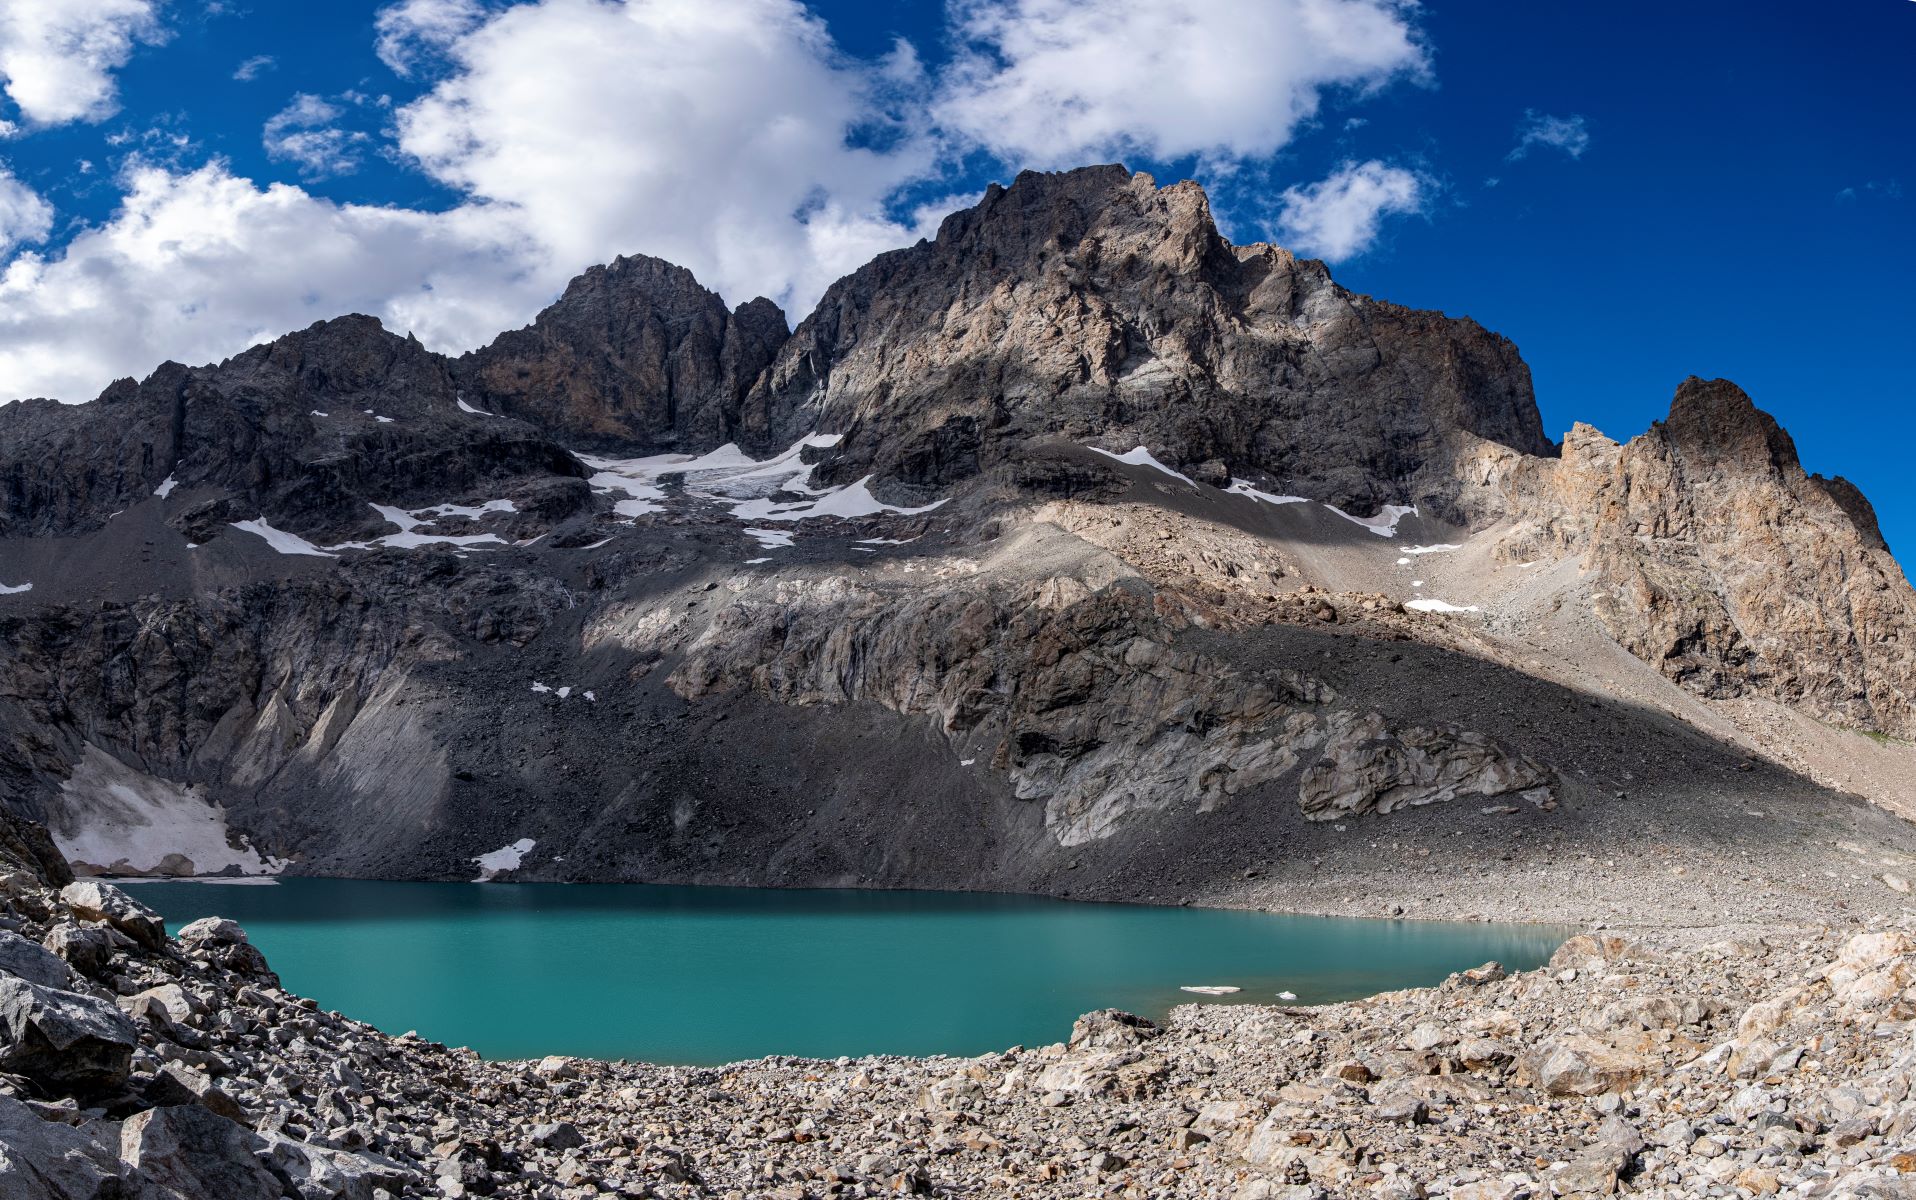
(138, 1065)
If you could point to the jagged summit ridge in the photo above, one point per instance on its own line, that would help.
(1093, 304)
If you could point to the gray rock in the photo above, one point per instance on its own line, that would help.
(193, 1154)
(32, 962)
(49, 1160)
(65, 1042)
(95, 901)
(86, 948)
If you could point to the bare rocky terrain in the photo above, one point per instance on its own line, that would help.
(1077, 552)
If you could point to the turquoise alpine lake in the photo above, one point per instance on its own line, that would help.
(698, 975)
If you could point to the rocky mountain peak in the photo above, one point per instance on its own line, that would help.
(1715, 421)
(1095, 306)
(636, 354)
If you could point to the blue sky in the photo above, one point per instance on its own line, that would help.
(1713, 188)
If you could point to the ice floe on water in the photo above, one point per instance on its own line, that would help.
(1240, 487)
(1424, 604)
(14, 589)
(280, 540)
(1141, 457)
(1211, 989)
(166, 487)
(505, 858)
(1384, 524)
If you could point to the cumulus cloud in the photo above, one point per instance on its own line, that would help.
(304, 133)
(24, 216)
(58, 56)
(1569, 134)
(198, 265)
(1061, 82)
(414, 32)
(1338, 217)
(719, 136)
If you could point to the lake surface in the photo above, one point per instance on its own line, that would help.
(712, 975)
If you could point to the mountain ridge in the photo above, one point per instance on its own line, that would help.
(1123, 518)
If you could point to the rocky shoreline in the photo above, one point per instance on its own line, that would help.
(1672, 1062)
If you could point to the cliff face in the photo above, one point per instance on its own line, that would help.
(635, 355)
(306, 431)
(1723, 564)
(1096, 307)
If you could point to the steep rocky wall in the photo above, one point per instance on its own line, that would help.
(1719, 561)
(635, 355)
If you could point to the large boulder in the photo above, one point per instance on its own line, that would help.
(67, 1043)
(222, 941)
(187, 1152)
(32, 962)
(92, 900)
(50, 1160)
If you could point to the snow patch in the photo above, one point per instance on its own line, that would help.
(115, 818)
(564, 692)
(770, 539)
(166, 487)
(1141, 457)
(318, 413)
(505, 858)
(539, 687)
(477, 412)
(1403, 562)
(852, 500)
(1437, 549)
(750, 562)
(1384, 524)
(280, 540)
(14, 589)
(1439, 606)
(597, 544)
(1240, 487)
(409, 521)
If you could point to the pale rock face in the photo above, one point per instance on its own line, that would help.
(1720, 562)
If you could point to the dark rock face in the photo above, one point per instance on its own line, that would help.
(635, 354)
(1095, 306)
(306, 431)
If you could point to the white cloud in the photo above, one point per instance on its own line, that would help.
(58, 56)
(1061, 82)
(1569, 134)
(712, 135)
(254, 67)
(1338, 217)
(196, 266)
(303, 133)
(414, 31)
(24, 216)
